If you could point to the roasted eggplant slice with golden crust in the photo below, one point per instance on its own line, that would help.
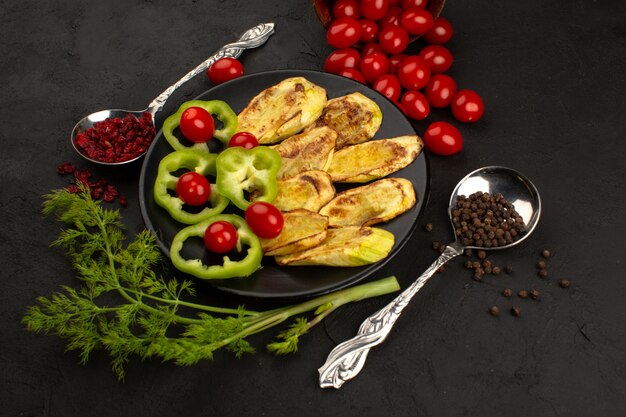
(283, 110)
(345, 246)
(369, 204)
(374, 159)
(308, 190)
(302, 229)
(354, 117)
(311, 150)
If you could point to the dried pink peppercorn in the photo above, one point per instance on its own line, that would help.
(117, 139)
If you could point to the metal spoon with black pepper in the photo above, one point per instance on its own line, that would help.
(141, 120)
(492, 208)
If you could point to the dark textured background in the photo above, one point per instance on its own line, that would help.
(553, 76)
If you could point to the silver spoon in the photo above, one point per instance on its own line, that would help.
(346, 360)
(252, 38)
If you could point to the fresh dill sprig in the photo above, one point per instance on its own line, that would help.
(123, 307)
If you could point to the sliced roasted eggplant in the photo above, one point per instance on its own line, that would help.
(308, 190)
(302, 229)
(311, 150)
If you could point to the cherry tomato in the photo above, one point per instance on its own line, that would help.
(343, 32)
(346, 8)
(414, 73)
(264, 219)
(415, 105)
(394, 2)
(342, 58)
(392, 17)
(439, 58)
(395, 61)
(440, 90)
(417, 21)
(371, 48)
(440, 32)
(373, 66)
(220, 237)
(408, 4)
(225, 69)
(374, 9)
(243, 139)
(353, 75)
(467, 106)
(193, 188)
(389, 86)
(369, 30)
(393, 39)
(197, 124)
(443, 139)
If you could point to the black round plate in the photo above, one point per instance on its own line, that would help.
(290, 282)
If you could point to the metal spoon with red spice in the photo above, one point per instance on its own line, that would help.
(116, 136)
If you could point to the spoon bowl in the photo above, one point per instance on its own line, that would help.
(347, 359)
(516, 189)
(252, 38)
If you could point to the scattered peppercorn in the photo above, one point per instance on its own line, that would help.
(428, 227)
(543, 273)
(507, 292)
(482, 254)
(478, 276)
(494, 311)
(475, 264)
(486, 264)
(541, 264)
(509, 269)
(469, 264)
(534, 294)
(488, 270)
(468, 252)
(545, 253)
(436, 245)
(496, 270)
(564, 283)
(516, 311)
(522, 294)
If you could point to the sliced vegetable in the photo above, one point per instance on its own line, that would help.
(229, 268)
(200, 162)
(248, 173)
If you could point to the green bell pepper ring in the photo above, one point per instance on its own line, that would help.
(193, 160)
(252, 171)
(217, 108)
(229, 268)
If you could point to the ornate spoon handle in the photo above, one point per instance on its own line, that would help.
(251, 38)
(346, 360)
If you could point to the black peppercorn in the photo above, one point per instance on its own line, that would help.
(522, 294)
(543, 273)
(516, 311)
(482, 254)
(494, 311)
(564, 283)
(507, 292)
(545, 253)
(496, 270)
(534, 294)
(541, 264)
(509, 269)
(428, 227)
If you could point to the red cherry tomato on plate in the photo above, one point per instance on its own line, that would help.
(224, 69)
(393, 39)
(374, 9)
(415, 105)
(443, 139)
(389, 86)
(193, 188)
(369, 30)
(371, 48)
(440, 32)
(440, 90)
(220, 237)
(414, 73)
(439, 58)
(395, 61)
(392, 17)
(417, 21)
(243, 139)
(407, 4)
(343, 32)
(373, 66)
(264, 219)
(346, 8)
(197, 124)
(467, 106)
(342, 58)
(353, 75)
